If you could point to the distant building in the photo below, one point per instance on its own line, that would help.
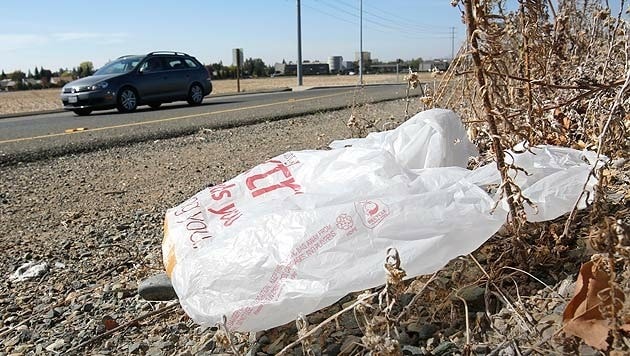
(31, 81)
(335, 64)
(315, 68)
(389, 68)
(431, 65)
(366, 56)
(7, 84)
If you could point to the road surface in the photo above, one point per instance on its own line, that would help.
(33, 137)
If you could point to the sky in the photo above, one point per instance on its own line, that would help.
(62, 34)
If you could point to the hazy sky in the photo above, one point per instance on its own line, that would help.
(56, 34)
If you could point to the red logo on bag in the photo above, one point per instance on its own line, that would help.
(372, 212)
(279, 174)
(344, 222)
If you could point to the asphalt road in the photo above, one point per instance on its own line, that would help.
(34, 137)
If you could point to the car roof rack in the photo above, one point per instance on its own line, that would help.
(168, 52)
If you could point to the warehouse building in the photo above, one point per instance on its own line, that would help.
(314, 68)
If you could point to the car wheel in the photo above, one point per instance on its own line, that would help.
(155, 105)
(82, 112)
(195, 94)
(127, 100)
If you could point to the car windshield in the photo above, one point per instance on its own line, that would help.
(121, 65)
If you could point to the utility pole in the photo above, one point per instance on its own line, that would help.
(452, 43)
(361, 43)
(299, 42)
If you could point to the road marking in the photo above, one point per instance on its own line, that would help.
(75, 129)
(172, 118)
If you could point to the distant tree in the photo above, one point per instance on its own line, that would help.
(36, 74)
(30, 74)
(46, 76)
(85, 69)
(3, 75)
(415, 63)
(17, 76)
(255, 67)
(218, 70)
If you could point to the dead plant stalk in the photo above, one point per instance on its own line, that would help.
(489, 111)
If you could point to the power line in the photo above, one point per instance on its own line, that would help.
(329, 14)
(396, 20)
(401, 18)
(400, 30)
(408, 35)
(394, 27)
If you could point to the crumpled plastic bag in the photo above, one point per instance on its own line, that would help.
(432, 138)
(296, 233)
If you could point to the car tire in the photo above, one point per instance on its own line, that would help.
(155, 105)
(195, 94)
(127, 100)
(82, 112)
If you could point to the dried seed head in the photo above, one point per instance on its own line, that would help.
(427, 100)
(412, 79)
(603, 14)
(222, 339)
(352, 122)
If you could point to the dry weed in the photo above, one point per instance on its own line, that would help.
(542, 73)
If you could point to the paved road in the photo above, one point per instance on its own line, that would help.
(32, 137)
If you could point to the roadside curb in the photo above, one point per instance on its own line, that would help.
(30, 113)
(56, 111)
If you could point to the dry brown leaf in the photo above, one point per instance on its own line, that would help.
(582, 316)
(109, 323)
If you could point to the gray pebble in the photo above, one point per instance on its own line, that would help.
(157, 287)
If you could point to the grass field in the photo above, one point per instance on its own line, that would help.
(48, 99)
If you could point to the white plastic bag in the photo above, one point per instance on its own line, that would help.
(296, 233)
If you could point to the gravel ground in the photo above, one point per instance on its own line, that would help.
(89, 228)
(95, 220)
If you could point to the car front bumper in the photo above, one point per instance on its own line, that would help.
(98, 99)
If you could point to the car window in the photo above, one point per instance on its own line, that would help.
(191, 63)
(153, 64)
(176, 63)
(121, 65)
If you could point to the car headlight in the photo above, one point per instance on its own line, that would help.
(101, 85)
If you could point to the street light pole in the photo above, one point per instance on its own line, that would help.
(299, 43)
(361, 43)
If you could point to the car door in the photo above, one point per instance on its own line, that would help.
(152, 80)
(179, 76)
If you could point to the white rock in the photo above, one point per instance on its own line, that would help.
(55, 345)
(29, 270)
